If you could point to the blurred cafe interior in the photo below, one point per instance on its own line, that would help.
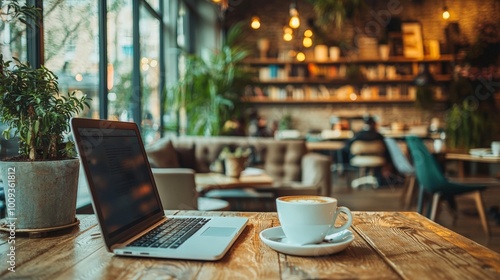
(261, 73)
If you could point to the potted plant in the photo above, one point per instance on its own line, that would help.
(336, 11)
(41, 183)
(470, 119)
(208, 92)
(234, 160)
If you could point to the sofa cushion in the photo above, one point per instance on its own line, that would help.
(283, 159)
(163, 155)
(187, 157)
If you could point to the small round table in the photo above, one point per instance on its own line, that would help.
(212, 204)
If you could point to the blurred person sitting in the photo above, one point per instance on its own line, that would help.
(367, 133)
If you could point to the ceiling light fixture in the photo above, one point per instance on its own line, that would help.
(294, 16)
(287, 33)
(255, 24)
(446, 13)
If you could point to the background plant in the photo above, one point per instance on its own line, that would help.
(336, 11)
(210, 89)
(467, 127)
(31, 105)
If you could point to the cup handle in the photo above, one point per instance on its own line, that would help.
(344, 226)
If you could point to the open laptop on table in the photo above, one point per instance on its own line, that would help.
(127, 203)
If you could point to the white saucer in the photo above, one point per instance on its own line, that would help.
(275, 238)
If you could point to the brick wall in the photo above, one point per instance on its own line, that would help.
(274, 15)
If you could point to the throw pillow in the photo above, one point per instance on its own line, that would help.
(187, 157)
(163, 155)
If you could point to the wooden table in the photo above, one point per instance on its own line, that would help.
(210, 181)
(460, 158)
(387, 245)
(325, 145)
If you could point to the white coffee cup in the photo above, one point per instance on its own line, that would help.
(495, 148)
(307, 219)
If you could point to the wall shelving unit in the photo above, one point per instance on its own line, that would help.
(343, 81)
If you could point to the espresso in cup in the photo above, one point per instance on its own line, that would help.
(304, 199)
(307, 219)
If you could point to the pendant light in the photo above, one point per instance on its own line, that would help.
(294, 16)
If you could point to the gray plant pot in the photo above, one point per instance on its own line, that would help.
(40, 194)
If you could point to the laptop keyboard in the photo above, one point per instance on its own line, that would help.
(170, 234)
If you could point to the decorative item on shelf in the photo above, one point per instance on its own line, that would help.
(44, 176)
(234, 161)
(412, 40)
(383, 47)
(432, 48)
(334, 52)
(321, 52)
(263, 45)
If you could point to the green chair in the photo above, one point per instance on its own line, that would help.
(432, 181)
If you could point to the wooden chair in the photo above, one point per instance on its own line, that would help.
(367, 155)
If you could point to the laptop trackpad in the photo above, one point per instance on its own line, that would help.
(219, 231)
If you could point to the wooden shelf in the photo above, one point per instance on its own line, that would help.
(331, 75)
(266, 100)
(343, 60)
(343, 81)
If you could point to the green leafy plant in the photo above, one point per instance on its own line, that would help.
(33, 109)
(424, 98)
(285, 122)
(239, 152)
(336, 11)
(11, 10)
(210, 89)
(467, 127)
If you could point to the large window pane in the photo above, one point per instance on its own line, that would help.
(120, 60)
(71, 47)
(155, 4)
(150, 74)
(12, 37)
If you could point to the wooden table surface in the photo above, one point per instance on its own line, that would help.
(460, 158)
(387, 245)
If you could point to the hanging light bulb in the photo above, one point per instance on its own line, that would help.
(301, 56)
(308, 33)
(294, 17)
(307, 42)
(255, 24)
(287, 34)
(446, 13)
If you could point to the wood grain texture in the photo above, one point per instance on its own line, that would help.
(387, 245)
(411, 249)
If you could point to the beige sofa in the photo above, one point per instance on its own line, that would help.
(293, 168)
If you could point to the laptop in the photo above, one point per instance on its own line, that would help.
(128, 206)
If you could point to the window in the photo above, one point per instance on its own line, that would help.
(120, 60)
(12, 37)
(71, 48)
(149, 30)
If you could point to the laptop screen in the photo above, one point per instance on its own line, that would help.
(119, 175)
